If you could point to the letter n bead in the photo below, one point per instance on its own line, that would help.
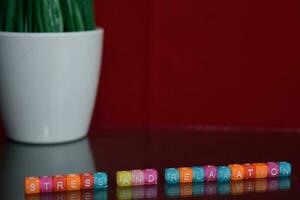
(285, 169)
(137, 177)
(59, 183)
(211, 173)
(186, 174)
(87, 181)
(100, 180)
(124, 178)
(73, 182)
(32, 185)
(172, 176)
(46, 184)
(273, 169)
(150, 176)
(224, 174)
(237, 172)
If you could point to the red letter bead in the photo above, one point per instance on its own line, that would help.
(87, 181)
(273, 169)
(249, 171)
(150, 176)
(211, 173)
(46, 184)
(59, 183)
(32, 185)
(73, 182)
(137, 177)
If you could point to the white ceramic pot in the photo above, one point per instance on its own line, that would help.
(48, 84)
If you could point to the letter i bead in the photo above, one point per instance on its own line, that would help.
(32, 185)
(137, 177)
(261, 170)
(87, 181)
(100, 180)
(46, 184)
(211, 173)
(59, 183)
(124, 178)
(285, 169)
(172, 175)
(150, 176)
(73, 182)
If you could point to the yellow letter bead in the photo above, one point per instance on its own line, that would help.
(124, 178)
(261, 170)
(237, 172)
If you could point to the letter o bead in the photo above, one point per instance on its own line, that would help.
(87, 181)
(32, 185)
(150, 176)
(273, 169)
(124, 178)
(172, 175)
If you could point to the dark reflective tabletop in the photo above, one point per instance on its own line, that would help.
(111, 151)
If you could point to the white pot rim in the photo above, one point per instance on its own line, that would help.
(51, 34)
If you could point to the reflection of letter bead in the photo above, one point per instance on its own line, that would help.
(261, 170)
(273, 169)
(137, 177)
(59, 183)
(198, 174)
(100, 180)
(285, 169)
(32, 185)
(224, 174)
(46, 184)
(124, 178)
(249, 170)
(210, 172)
(73, 182)
(172, 175)
(87, 181)
(150, 176)
(186, 174)
(237, 172)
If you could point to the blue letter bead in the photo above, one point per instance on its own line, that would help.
(100, 180)
(198, 174)
(171, 175)
(285, 169)
(224, 174)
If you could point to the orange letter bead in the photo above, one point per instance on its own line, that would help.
(261, 170)
(249, 171)
(186, 174)
(32, 185)
(237, 172)
(73, 182)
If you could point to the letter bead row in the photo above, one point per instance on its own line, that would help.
(226, 173)
(136, 177)
(69, 182)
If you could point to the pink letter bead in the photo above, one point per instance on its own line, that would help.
(273, 169)
(150, 176)
(137, 177)
(46, 184)
(210, 172)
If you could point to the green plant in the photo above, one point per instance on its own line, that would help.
(46, 15)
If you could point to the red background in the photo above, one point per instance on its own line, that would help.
(199, 62)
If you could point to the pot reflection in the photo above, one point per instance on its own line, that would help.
(21, 160)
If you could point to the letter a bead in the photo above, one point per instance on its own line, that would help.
(261, 170)
(73, 182)
(285, 169)
(124, 178)
(198, 174)
(273, 169)
(46, 184)
(100, 180)
(87, 181)
(150, 176)
(211, 173)
(224, 174)
(59, 183)
(172, 175)
(32, 185)
(137, 177)
(186, 174)
(237, 172)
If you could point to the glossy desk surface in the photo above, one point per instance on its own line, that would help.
(111, 151)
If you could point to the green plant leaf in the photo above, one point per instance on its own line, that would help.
(10, 15)
(19, 16)
(67, 11)
(87, 10)
(1, 15)
(78, 21)
(38, 16)
(29, 15)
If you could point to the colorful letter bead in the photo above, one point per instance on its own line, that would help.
(87, 181)
(46, 184)
(261, 170)
(198, 174)
(150, 176)
(59, 183)
(73, 182)
(32, 185)
(172, 175)
(237, 172)
(137, 177)
(224, 174)
(273, 169)
(186, 174)
(249, 170)
(285, 169)
(211, 173)
(124, 178)
(100, 180)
